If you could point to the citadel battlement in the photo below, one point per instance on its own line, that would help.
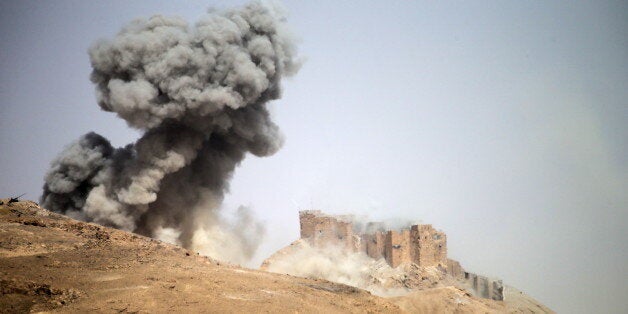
(419, 244)
(421, 249)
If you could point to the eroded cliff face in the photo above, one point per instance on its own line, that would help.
(382, 260)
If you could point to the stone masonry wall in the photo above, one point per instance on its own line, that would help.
(374, 244)
(321, 229)
(455, 269)
(421, 244)
(430, 244)
(485, 287)
(398, 248)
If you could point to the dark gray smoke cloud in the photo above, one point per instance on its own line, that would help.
(199, 94)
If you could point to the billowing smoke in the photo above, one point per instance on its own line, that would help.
(199, 96)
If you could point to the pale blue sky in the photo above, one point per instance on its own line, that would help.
(505, 124)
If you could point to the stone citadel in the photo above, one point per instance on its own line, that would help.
(420, 245)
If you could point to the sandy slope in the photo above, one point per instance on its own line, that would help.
(455, 300)
(447, 300)
(49, 262)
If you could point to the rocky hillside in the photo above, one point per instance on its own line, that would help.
(49, 262)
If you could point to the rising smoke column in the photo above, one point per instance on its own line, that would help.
(199, 96)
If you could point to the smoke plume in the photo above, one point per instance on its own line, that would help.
(199, 96)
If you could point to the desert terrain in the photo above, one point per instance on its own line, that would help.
(51, 263)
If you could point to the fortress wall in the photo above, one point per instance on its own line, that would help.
(344, 232)
(398, 247)
(430, 246)
(374, 244)
(498, 290)
(308, 224)
(455, 269)
(482, 287)
(321, 229)
(440, 247)
(485, 287)
(421, 244)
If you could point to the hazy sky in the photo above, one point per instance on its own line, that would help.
(505, 124)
